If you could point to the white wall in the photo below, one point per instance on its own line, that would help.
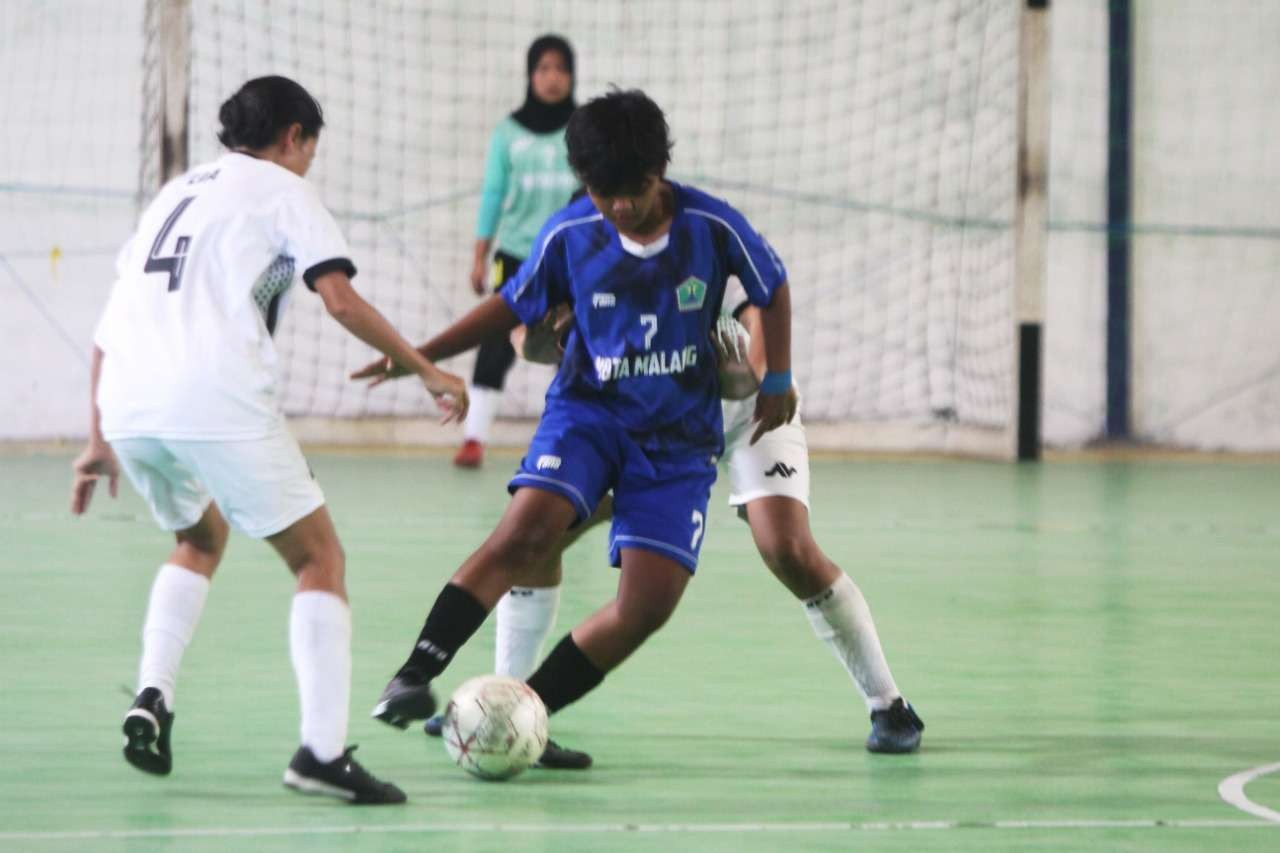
(1075, 297)
(70, 82)
(1206, 247)
(1207, 162)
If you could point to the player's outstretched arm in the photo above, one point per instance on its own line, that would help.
(775, 404)
(363, 320)
(492, 316)
(97, 459)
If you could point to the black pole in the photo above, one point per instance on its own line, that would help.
(1119, 215)
(1032, 180)
(1028, 392)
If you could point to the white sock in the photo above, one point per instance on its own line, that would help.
(841, 619)
(484, 408)
(177, 600)
(526, 616)
(320, 648)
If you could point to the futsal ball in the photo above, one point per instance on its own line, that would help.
(494, 727)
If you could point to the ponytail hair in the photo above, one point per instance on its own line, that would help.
(263, 108)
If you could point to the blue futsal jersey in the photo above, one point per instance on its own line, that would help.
(639, 354)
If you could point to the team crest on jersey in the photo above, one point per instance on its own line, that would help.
(691, 294)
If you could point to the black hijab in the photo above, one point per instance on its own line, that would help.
(534, 115)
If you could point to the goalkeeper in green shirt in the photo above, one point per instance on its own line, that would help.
(526, 179)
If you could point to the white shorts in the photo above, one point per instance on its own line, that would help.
(261, 485)
(778, 464)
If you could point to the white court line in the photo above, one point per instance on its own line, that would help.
(1231, 789)
(670, 828)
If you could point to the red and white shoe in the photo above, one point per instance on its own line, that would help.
(470, 455)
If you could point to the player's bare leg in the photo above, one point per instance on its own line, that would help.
(313, 553)
(524, 619)
(177, 601)
(839, 615)
(521, 548)
(780, 528)
(320, 648)
(649, 588)
(526, 614)
(526, 539)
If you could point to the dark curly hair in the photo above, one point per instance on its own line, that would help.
(616, 141)
(256, 115)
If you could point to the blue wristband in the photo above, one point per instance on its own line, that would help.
(776, 382)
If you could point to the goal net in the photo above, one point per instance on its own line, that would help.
(872, 142)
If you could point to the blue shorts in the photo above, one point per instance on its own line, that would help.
(659, 499)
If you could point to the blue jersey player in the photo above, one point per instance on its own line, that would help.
(634, 408)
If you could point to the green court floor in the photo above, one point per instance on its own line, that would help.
(1094, 647)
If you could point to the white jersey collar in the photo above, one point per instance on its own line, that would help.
(644, 250)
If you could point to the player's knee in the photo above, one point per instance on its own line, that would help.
(322, 570)
(545, 573)
(527, 546)
(791, 556)
(322, 558)
(207, 539)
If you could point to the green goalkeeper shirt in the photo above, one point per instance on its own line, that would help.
(526, 179)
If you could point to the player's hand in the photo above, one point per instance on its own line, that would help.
(477, 276)
(449, 392)
(732, 344)
(731, 341)
(774, 410)
(380, 371)
(542, 340)
(96, 460)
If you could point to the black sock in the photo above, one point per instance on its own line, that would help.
(565, 676)
(453, 619)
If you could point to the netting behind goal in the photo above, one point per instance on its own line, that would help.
(872, 142)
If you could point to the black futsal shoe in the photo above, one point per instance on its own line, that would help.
(556, 757)
(896, 729)
(342, 778)
(406, 698)
(146, 733)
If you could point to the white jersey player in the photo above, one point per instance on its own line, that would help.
(186, 402)
(769, 486)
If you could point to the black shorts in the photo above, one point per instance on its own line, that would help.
(496, 355)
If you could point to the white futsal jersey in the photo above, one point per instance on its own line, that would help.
(200, 287)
